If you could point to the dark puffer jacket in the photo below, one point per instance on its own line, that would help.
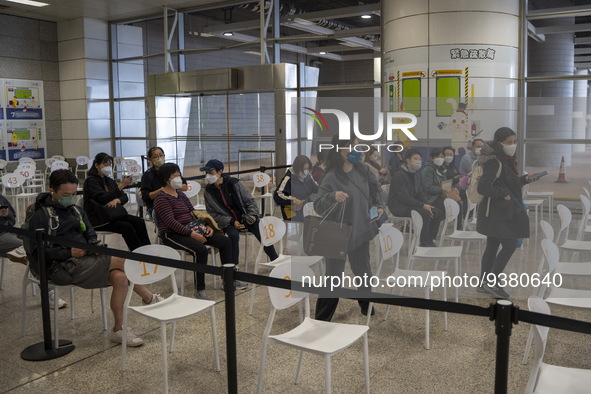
(497, 217)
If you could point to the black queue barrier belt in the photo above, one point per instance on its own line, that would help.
(418, 303)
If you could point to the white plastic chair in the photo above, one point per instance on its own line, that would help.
(82, 166)
(59, 165)
(546, 195)
(391, 240)
(13, 189)
(452, 210)
(563, 268)
(260, 179)
(570, 245)
(537, 205)
(3, 164)
(170, 310)
(313, 336)
(272, 231)
(471, 208)
(58, 157)
(193, 189)
(118, 167)
(547, 378)
(29, 279)
(446, 253)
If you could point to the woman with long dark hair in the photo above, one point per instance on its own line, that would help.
(348, 180)
(502, 216)
(295, 189)
(102, 196)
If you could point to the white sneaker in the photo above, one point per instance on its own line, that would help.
(156, 298)
(18, 255)
(60, 303)
(132, 339)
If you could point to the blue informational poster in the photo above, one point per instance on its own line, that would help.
(23, 125)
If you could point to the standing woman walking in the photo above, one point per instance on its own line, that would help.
(349, 180)
(502, 216)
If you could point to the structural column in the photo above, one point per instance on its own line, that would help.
(453, 64)
(550, 104)
(84, 86)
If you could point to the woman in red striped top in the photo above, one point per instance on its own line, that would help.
(177, 228)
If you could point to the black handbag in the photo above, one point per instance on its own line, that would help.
(104, 214)
(326, 238)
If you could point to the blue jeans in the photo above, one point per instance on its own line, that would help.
(234, 234)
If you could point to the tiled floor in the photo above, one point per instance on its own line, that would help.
(461, 359)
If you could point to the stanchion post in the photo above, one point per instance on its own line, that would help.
(503, 316)
(228, 277)
(44, 350)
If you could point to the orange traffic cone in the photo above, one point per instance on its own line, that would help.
(561, 173)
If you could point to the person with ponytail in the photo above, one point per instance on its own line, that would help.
(502, 216)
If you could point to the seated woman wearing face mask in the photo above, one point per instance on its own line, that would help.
(295, 189)
(104, 200)
(404, 197)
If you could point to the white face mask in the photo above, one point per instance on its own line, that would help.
(211, 179)
(306, 173)
(509, 149)
(415, 165)
(176, 183)
(438, 161)
(107, 171)
(477, 151)
(449, 159)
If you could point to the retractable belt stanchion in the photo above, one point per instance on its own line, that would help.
(504, 314)
(230, 303)
(44, 350)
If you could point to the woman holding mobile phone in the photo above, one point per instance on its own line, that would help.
(502, 216)
(104, 202)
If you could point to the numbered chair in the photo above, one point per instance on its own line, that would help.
(391, 240)
(13, 189)
(445, 253)
(3, 164)
(170, 310)
(193, 189)
(547, 378)
(261, 180)
(48, 162)
(452, 210)
(32, 184)
(82, 164)
(313, 336)
(272, 231)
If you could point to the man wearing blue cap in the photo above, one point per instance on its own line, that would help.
(232, 207)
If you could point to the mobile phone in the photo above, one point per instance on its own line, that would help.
(373, 213)
(538, 175)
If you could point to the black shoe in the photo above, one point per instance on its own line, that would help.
(364, 311)
(495, 291)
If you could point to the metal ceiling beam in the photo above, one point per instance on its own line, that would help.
(549, 13)
(582, 40)
(564, 28)
(581, 59)
(531, 32)
(338, 13)
(286, 47)
(583, 65)
(302, 24)
(331, 48)
(582, 51)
